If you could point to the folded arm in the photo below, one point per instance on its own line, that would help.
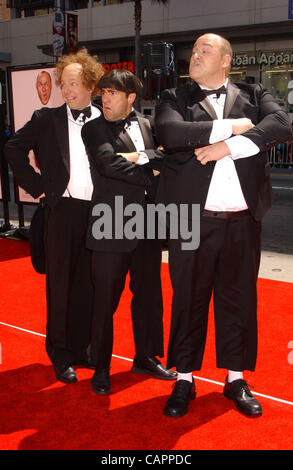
(246, 138)
(112, 164)
(173, 131)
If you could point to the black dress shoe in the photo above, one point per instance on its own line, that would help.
(245, 402)
(65, 373)
(178, 402)
(152, 366)
(101, 382)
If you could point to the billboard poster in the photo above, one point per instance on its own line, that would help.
(58, 39)
(30, 88)
(71, 33)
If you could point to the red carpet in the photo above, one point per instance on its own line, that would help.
(38, 412)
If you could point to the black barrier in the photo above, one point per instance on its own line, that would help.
(281, 156)
(4, 175)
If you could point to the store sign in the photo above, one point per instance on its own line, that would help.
(264, 58)
(126, 65)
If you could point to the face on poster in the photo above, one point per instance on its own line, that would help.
(32, 89)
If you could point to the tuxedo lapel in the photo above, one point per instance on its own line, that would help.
(205, 103)
(59, 117)
(124, 137)
(202, 100)
(232, 93)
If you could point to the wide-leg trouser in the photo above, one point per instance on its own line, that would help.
(69, 284)
(109, 275)
(226, 265)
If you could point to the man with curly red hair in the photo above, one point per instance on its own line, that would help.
(64, 187)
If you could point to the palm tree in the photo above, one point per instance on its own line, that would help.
(137, 17)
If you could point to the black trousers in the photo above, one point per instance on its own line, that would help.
(109, 274)
(69, 285)
(226, 265)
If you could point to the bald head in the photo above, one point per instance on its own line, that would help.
(210, 61)
(44, 86)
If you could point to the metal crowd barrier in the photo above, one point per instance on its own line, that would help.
(281, 156)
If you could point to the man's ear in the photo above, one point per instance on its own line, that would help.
(91, 88)
(131, 98)
(226, 60)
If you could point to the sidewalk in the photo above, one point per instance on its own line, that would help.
(275, 266)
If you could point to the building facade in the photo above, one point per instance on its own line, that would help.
(260, 32)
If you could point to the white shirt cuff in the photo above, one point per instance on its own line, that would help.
(241, 147)
(142, 159)
(222, 129)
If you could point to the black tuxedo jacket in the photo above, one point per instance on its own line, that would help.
(47, 135)
(113, 175)
(184, 119)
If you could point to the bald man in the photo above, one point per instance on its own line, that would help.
(44, 86)
(216, 135)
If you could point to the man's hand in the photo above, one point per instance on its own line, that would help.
(130, 156)
(212, 152)
(241, 125)
(156, 172)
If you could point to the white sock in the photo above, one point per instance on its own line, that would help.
(184, 376)
(234, 375)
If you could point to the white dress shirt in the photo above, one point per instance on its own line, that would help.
(135, 134)
(80, 184)
(225, 193)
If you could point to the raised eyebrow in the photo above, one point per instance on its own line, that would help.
(205, 44)
(71, 81)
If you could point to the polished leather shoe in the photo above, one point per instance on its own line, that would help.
(65, 373)
(245, 402)
(178, 402)
(152, 366)
(101, 382)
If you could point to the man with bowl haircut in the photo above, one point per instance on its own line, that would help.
(118, 143)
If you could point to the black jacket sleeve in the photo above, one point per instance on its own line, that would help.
(98, 143)
(17, 154)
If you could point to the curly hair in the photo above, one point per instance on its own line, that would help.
(92, 69)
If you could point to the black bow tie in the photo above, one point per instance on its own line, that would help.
(219, 91)
(86, 112)
(130, 118)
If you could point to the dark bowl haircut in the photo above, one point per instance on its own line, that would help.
(121, 80)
